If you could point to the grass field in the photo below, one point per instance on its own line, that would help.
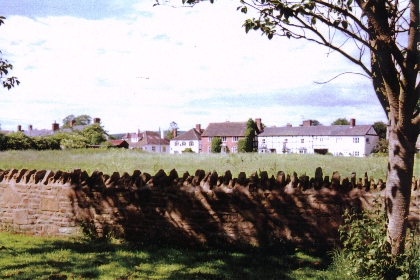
(28, 257)
(121, 160)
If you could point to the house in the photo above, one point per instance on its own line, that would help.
(229, 133)
(119, 144)
(148, 141)
(190, 139)
(340, 140)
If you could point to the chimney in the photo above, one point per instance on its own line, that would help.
(175, 132)
(19, 128)
(259, 126)
(30, 127)
(72, 122)
(352, 122)
(198, 127)
(307, 123)
(288, 125)
(55, 127)
(97, 120)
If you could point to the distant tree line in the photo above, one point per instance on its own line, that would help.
(93, 134)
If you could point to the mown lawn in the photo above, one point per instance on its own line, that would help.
(30, 257)
(109, 161)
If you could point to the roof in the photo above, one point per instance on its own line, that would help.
(333, 130)
(148, 138)
(38, 132)
(225, 129)
(117, 142)
(192, 134)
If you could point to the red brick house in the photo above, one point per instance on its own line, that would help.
(229, 133)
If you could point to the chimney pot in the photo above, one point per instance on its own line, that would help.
(19, 128)
(30, 127)
(352, 122)
(175, 132)
(198, 127)
(288, 125)
(72, 122)
(259, 125)
(97, 120)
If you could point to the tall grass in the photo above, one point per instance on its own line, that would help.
(121, 160)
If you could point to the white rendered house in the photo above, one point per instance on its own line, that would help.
(339, 140)
(190, 139)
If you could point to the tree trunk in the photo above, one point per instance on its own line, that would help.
(398, 184)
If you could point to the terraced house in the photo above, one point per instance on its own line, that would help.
(340, 140)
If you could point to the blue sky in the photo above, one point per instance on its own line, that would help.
(136, 66)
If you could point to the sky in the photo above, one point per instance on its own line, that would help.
(139, 67)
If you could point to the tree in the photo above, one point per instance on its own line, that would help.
(251, 127)
(79, 120)
(216, 145)
(381, 37)
(170, 134)
(380, 128)
(315, 123)
(5, 67)
(339, 121)
(94, 134)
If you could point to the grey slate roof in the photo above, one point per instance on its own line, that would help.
(38, 132)
(333, 130)
(225, 129)
(192, 134)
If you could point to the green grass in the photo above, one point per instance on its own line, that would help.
(109, 161)
(29, 257)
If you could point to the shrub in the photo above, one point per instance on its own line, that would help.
(366, 253)
(188, 150)
(216, 143)
(242, 145)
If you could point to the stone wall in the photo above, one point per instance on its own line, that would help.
(204, 207)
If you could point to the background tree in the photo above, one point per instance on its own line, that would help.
(382, 38)
(5, 67)
(216, 145)
(170, 133)
(339, 121)
(95, 134)
(79, 120)
(251, 127)
(380, 128)
(242, 145)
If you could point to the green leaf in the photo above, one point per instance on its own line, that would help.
(345, 24)
(244, 9)
(313, 20)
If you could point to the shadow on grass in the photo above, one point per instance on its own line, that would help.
(68, 259)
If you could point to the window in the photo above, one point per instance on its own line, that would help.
(356, 140)
(234, 149)
(356, 154)
(209, 139)
(209, 150)
(263, 141)
(302, 151)
(191, 143)
(235, 139)
(302, 140)
(321, 139)
(176, 143)
(164, 149)
(367, 140)
(223, 138)
(154, 148)
(183, 143)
